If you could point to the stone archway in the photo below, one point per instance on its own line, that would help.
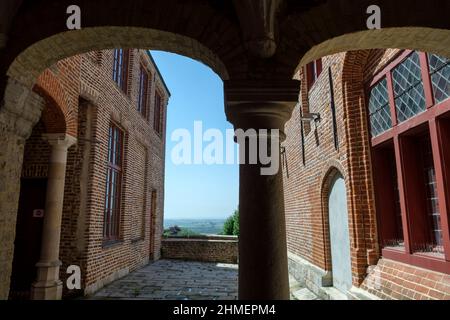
(257, 77)
(414, 38)
(30, 63)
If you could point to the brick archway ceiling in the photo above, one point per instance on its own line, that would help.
(53, 117)
(213, 31)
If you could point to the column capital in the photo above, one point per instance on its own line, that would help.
(62, 140)
(259, 115)
(258, 104)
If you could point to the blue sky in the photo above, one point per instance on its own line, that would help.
(195, 191)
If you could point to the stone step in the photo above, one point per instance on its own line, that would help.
(299, 292)
(304, 294)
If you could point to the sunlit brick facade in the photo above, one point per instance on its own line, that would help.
(377, 120)
(112, 219)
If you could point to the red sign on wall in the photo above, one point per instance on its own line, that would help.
(38, 213)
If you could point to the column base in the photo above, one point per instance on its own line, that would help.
(47, 286)
(46, 290)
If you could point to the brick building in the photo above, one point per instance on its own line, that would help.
(96, 154)
(366, 176)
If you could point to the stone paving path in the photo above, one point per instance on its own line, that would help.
(175, 280)
(184, 280)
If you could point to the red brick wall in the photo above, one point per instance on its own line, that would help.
(307, 185)
(303, 182)
(36, 154)
(82, 90)
(394, 280)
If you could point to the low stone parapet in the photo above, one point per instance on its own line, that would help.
(201, 248)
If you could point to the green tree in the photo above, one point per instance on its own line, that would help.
(228, 226)
(236, 223)
(231, 225)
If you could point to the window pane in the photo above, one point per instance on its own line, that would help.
(431, 194)
(440, 77)
(113, 176)
(143, 87)
(115, 65)
(157, 120)
(408, 88)
(398, 211)
(119, 67)
(119, 148)
(141, 91)
(380, 116)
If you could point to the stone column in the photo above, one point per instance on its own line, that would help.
(263, 264)
(20, 110)
(48, 286)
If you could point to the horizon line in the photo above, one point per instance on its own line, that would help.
(196, 218)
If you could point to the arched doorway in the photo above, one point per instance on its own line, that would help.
(339, 234)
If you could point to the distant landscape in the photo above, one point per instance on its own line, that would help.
(203, 226)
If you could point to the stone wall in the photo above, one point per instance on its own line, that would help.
(19, 112)
(208, 248)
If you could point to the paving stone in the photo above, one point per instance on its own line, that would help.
(175, 280)
(183, 280)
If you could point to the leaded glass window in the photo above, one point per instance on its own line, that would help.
(380, 115)
(409, 93)
(440, 77)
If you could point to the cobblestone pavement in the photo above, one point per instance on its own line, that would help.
(184, 280)
(175, 280)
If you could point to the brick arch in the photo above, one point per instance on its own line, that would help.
(331, 169)
(59, 115)
(52, 116)
(361, 200)
(415, 38)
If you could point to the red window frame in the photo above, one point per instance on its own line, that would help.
(113, 192)
(435, 122)
(313, 71)
(157, 123)
(144, 84)
(121, 61)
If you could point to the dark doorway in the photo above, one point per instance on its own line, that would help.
(27, 246)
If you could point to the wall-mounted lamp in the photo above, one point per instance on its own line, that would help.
(310, 117)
